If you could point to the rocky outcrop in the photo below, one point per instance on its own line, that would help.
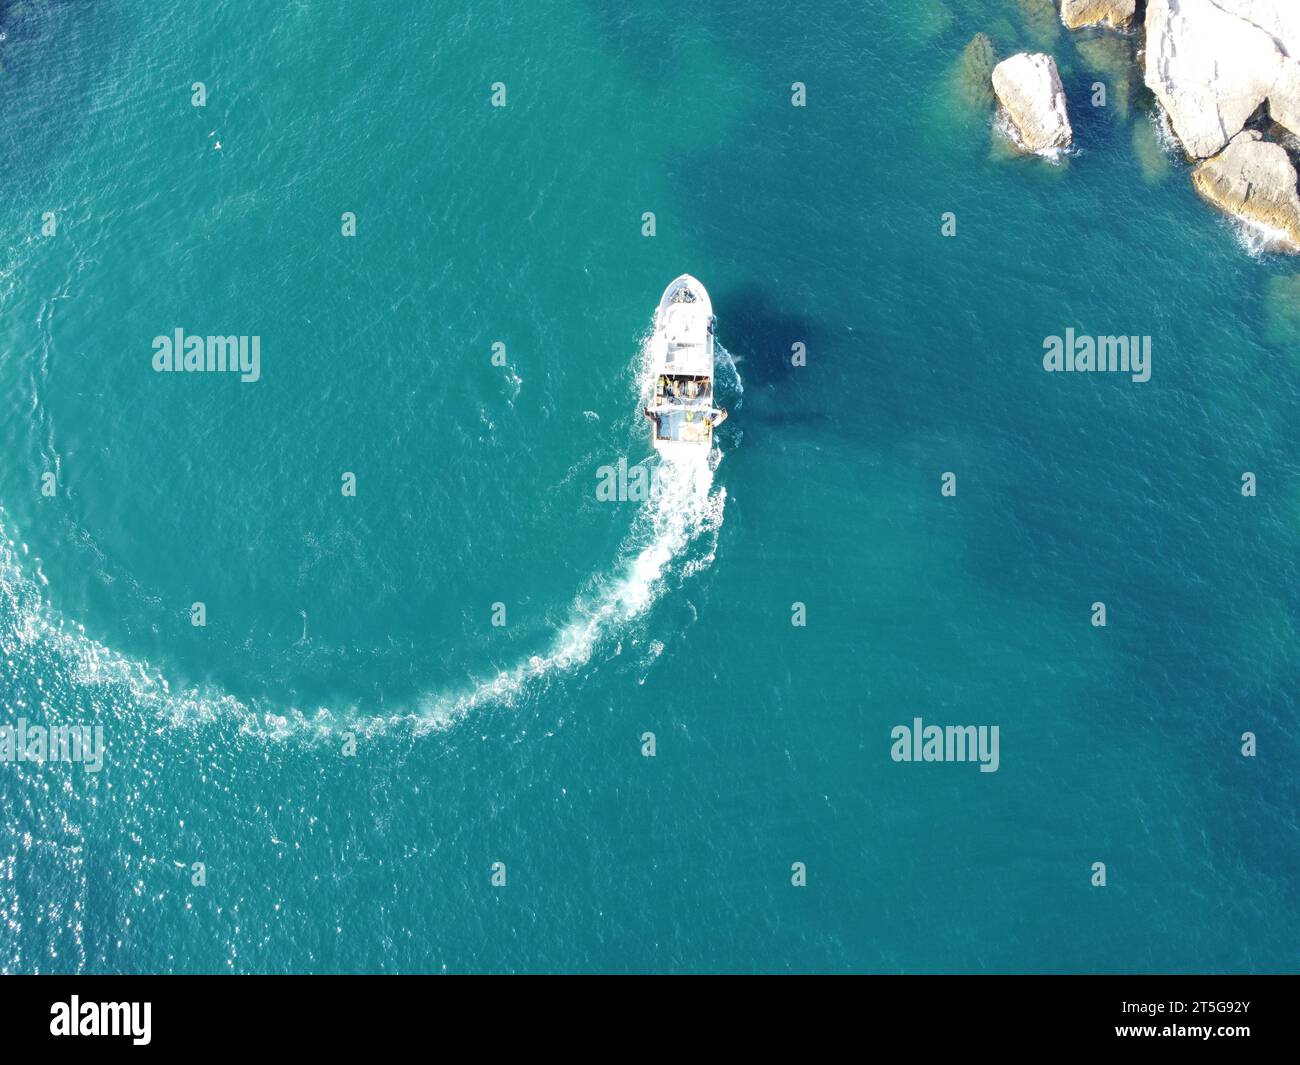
(1028, 86)
(1117, 13)
(1213, 63)
(1253, 179)
(1222, 71)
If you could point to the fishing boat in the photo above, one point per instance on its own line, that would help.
(681, 410)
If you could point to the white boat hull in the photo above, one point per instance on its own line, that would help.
(682, 411)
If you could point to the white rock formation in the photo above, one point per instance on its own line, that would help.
(1253, 179)
(1117, 13)
(1028, 86)
(1211, 63)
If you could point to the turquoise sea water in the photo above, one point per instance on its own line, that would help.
(371, 617)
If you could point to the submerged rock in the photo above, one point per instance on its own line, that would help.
(973, 73)
(1112, 57)
(1150, 153)
(1254, 179)
(1079, 13)
(1284, 310)
(1213, 63)
(1041, 21)
(1028, 86)
(934, 19)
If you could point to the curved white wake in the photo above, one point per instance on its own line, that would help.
(683, 508)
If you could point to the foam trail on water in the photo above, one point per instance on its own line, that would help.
(71, 669)
(684, 507)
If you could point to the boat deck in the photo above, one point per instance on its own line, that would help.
(685, 426)
(672, 389)
(688, 345)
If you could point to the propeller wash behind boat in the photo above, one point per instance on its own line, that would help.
(681, 366)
